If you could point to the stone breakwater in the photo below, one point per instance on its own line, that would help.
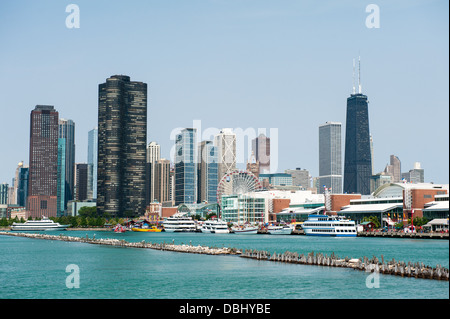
(392, 267)
(183, 248)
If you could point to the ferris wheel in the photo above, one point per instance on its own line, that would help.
(236, 183)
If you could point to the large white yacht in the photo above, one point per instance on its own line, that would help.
(179, 222)
(38, 225)
(324, 225)
(215, 226)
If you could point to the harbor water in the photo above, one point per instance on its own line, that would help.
(36, 268)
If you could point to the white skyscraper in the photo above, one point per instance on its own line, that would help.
(330, 157)
(225, 142)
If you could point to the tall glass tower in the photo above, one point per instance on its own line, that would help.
(92, 163)
(122, 139)
(186, 167)
(67, 132)
(207, 172)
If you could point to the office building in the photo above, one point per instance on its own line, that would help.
(122, 139)
(43, 168)
(208, 172)
(300, 177)
(394, 169)
(162, 181)
(92, 163)
(225, 142)
(4, 193)
(330, 158)
(61, 179)
(67, 132)
(261, 149)
(415, 175)
(153, 156)
(81, 181)
(186, 167)
(358, 155)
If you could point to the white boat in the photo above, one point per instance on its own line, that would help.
(324, 225)
(246, 229)
(38, 225)
(280, 229)
(215, 226)
(179, 222)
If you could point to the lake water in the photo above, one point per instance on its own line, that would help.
(33, 268)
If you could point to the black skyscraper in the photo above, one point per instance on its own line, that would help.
(122, 139)
(358, 159)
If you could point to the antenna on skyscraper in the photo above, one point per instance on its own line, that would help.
(354, 88)
(359, 74)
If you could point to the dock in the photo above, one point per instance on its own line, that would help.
(434, 235)
(392, 267)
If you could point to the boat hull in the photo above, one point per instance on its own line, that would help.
(147, 230)
(38, 228)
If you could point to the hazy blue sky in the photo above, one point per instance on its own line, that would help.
(235, 63)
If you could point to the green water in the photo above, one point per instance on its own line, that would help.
(33, 268)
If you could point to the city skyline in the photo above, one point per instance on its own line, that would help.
(279, 78)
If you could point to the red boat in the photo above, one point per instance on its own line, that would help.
(119, 229)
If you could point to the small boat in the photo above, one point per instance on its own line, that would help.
(325, 225)
(246, 229)
(280, 229)
(44, 224)
(119, 229)
(152, 229)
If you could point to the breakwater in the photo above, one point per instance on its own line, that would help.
(374, 264)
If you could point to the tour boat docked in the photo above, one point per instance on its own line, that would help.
(280, 229)
(324, 225)
(215, 226)
(246, 229)
(38, 225)
(179, 222)
(119, 229)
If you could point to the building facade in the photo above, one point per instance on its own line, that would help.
(43, 168)
(92, 159)
(225, 142)
(186, 166)
(330, 157)
(153, 156)
(122, 139)
(67, 132)
(207, 172)
(261, 149)
(358, 156)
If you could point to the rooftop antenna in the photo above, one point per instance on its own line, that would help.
(359, 74)
(354, 89)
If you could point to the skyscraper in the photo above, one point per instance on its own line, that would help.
(225, 142)
(81, 181)
(92, 163)
(330, 157)
(207, 172)
(162, 180)
(153, 156)
(358, 157)
(43, 168)
(61, 177)
(122, 138)
(394, 169)
(67, 132)
(261, 149)
(186, 167)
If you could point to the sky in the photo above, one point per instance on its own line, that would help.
(281, 66)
